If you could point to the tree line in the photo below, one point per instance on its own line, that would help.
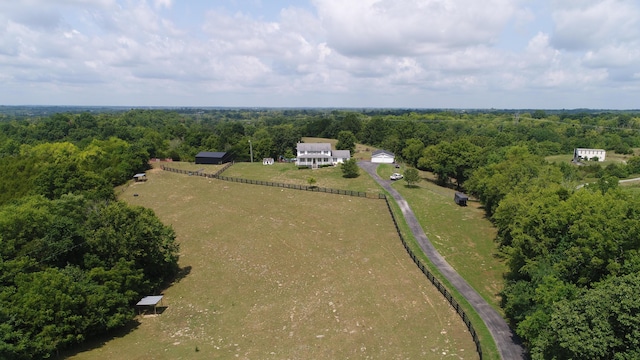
(73, 259)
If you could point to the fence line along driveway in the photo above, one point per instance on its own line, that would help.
(508, 343)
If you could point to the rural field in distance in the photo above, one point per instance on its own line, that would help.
(279, 273)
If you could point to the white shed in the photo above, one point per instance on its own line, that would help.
(382, 157)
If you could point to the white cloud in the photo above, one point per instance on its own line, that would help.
(158, 4)
(615, 56)
(409, 27)
(369, 52)
(584, 25)
(604, 36)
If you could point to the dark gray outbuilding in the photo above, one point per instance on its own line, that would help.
(460, 199)
(215, 158)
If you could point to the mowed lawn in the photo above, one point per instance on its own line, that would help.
(285, 274)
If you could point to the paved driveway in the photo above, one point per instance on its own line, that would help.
(506, 340)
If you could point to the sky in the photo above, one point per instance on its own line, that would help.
(504, 54)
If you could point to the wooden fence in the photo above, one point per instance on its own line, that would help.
(217, 175)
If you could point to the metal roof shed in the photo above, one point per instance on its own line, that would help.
(151, 301)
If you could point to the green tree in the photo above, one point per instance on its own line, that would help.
(312, 181)
(374, 131)
(605, 183)
(411, 176)
(284, 137)
(351, 123)
(45, 310)
(493, 182)
(263, 146)
(154, 144)
(558, 243)
(114, 159)
(412, 151)
(451, 160)
(17, 175)
(393, 143)
(350, 168)
(346, 141)
(134, 234)
(62, 178)
(600, 323)
(539, 114)
(633, 165)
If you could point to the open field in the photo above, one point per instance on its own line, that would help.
(278, 273)
(463, 235)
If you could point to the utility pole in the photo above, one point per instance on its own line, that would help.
(251, 150)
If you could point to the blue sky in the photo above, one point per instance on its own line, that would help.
(550, 54)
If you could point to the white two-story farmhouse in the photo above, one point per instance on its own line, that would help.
(315, 155)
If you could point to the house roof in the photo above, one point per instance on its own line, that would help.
(314, 156)
(209, 154)
(382, 152)
(341, 153)
(589, 149)
(313, 147)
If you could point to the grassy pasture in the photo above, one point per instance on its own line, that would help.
(462, 235)
(288, 173)
(278, 273)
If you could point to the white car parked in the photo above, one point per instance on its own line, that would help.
(396, 176)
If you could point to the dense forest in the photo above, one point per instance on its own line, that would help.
(74, 259)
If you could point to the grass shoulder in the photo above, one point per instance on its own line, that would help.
(489, 348)
(462, 235)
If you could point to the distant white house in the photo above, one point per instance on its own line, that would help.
(589, 154)
(315, 155)
(382, 157)
(267, 161)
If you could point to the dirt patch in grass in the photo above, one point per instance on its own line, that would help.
(278, 273)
